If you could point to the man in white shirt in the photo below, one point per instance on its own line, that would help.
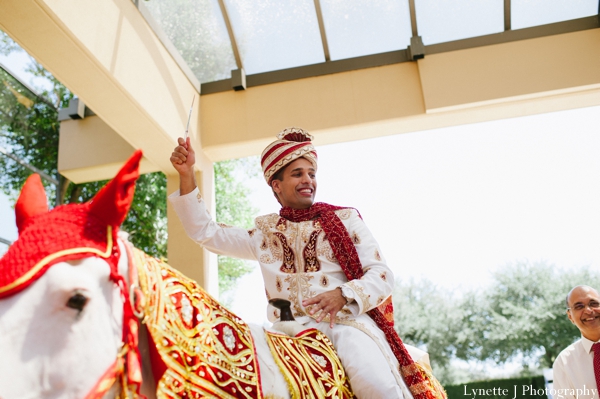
(574, 375)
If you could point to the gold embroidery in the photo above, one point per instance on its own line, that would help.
(358, 290)
(410, 369)
(377, 256)
(278, 284)
(324, 249)
(299, 286)
(251, 232)
(355, 238)
(207, 351)
(288, 265)
(344, 213)
(42, 263)
(383, 276)
(311, 261)
(310, 365)
(324, 280)
(224, 226)
(281, 224)
(266, 223)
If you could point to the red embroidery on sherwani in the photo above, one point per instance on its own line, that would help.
(383, 276)
(288, 255)
(311, 261)
(377, 256)
(347, 256)
(324, 281)
(278, 284)
(355, 238)
(281, 224)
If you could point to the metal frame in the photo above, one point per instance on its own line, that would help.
(399, 56)
(234, 47)
(44, 175)
(156, 28)
(413, 17)
(322, 30)
(393, 57)
(507, 15)
(26, 86)
(5, 241)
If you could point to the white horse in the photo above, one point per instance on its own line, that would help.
(68, 296)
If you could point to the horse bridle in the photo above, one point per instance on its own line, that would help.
(127, 365)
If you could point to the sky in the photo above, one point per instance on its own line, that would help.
(453, 205)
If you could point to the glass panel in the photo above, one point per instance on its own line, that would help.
(198, 32)
(357, 27)
(448, 20)
(275, 34)
(527, 13)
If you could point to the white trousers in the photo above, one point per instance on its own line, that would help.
(369, 370)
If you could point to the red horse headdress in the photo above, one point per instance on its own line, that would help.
(67, 232)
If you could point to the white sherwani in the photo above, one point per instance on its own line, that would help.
(297, 262)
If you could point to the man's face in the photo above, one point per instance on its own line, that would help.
(299, 185)
(584, 312)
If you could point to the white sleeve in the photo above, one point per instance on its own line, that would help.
(200, 227)
(377, 283)
(561, 381)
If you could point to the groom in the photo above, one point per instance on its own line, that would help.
(322, 258)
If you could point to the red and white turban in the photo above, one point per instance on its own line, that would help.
(292, 143)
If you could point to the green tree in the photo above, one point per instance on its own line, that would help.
(29, 130)
(197, 31)
(234, 209)
(520, 315)
(432, 318)
(524, 313)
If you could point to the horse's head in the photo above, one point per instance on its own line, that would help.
(61, 293)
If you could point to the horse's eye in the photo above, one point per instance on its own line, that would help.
(77, 301)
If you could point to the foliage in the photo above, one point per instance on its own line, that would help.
(520, 316)
(525, 312)
(432, 318)
(29, 129)
(193, 27)
(234, 209)
(7, 46)
(522, 388)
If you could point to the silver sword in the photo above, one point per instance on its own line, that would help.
(189, 117)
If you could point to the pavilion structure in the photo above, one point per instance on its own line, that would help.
(138, 64)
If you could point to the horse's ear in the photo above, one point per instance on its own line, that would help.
(112, 202)
(32, 201)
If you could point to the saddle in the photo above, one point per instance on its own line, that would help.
(201, 349)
